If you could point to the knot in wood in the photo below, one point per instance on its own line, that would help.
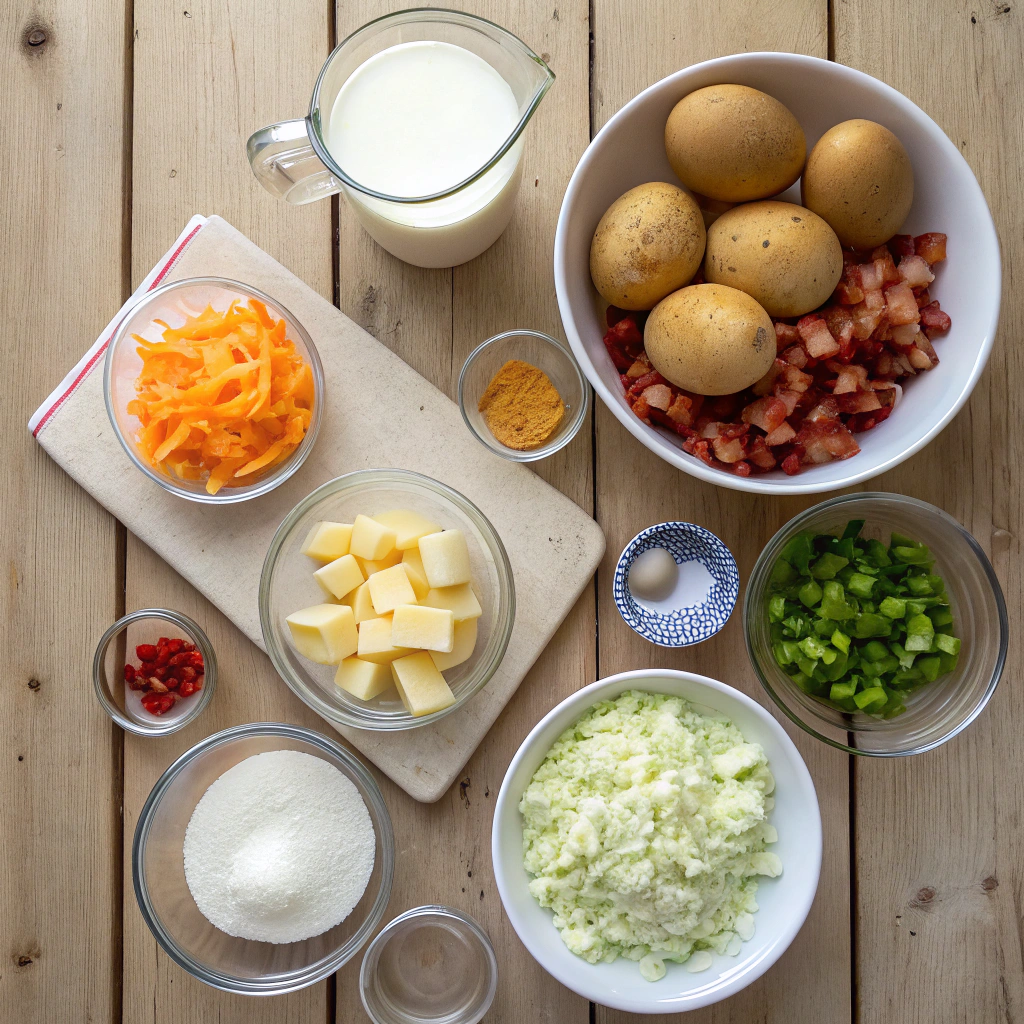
(36, 37)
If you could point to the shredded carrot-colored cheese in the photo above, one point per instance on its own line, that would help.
(224, 396)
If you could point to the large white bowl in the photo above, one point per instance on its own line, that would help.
(630, 150)
(784, 901)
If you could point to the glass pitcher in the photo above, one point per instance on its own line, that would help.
(292, 161)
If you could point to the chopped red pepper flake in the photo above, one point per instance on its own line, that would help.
(170, 670)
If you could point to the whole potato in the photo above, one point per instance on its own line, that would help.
(649, 242)
(734, 143)
(786, 257)
(859, 179)
(710, 339)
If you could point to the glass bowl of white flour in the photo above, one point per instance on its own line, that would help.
(263, 858)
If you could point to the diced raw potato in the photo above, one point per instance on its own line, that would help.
(375, 641)
(372, 565)
(324, 633)
(390, 588)
(408, 527)
(417, 574)
(371, 539)
(339, 577)
(420, 685)
(360, 603)
(445, 558)
(418, 627)
(328, 541)
(460, 600)
(364, 679)
(462, 648)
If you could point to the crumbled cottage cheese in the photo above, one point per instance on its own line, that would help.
(645, 829)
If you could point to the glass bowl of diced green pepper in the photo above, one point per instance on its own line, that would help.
(876, 622)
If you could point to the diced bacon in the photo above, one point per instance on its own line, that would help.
(901, 305)
(862, 421)
(791, 464)
(903, 364)
(905, 334)
(826, 409)
(825, 440)
(849, 293)
(759, 454)
(840, 324)
(902, 245)
(681, 410)
(785, 335)
(851, 378)
(658, 396)
(867, 275)
(817, 338)
(934, 319)
(919, 359)
(859, 401)
(767, 413)
(865, 321)
(885, 366)
(780, 435)
(790, 399)
(915, 271)
(932, 246)
(837, 370)
(728, 449)
(641, 383)
(792, 379)
(874, 299)
(884, 265)
(795, 356)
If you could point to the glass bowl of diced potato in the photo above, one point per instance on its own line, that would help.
(387, 600)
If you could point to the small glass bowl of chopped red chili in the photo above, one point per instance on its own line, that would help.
(154, 671)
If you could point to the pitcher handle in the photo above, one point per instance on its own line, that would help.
(287, 166)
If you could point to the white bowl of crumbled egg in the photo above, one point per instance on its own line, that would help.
(657, 841)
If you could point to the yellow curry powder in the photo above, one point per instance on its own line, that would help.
(521, 406)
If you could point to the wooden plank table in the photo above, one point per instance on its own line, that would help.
(123, 117)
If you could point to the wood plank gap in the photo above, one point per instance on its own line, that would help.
(121, 536)
(831, 21)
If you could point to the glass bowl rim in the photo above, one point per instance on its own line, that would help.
(534, 454)
(368, 790)
(380, 940)
(769, 551)
(284, 470)
(495, 547)
(159, 727)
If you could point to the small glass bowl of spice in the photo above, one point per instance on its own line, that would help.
(522, 395)
(154, 671)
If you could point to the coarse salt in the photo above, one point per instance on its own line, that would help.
(280, 848)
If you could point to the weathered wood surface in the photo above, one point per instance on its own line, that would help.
(123, 120)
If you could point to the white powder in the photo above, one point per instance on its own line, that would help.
(279, 849)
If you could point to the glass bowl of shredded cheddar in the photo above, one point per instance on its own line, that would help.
(214, 389)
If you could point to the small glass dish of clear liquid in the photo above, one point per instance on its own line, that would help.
(430, 965)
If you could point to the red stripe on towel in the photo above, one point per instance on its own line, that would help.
(87, 369)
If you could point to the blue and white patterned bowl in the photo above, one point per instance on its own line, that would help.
(705, 593)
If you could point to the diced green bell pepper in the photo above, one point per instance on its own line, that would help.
(810, 593)
(827, 565)
(893, 607)
(872, 697)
